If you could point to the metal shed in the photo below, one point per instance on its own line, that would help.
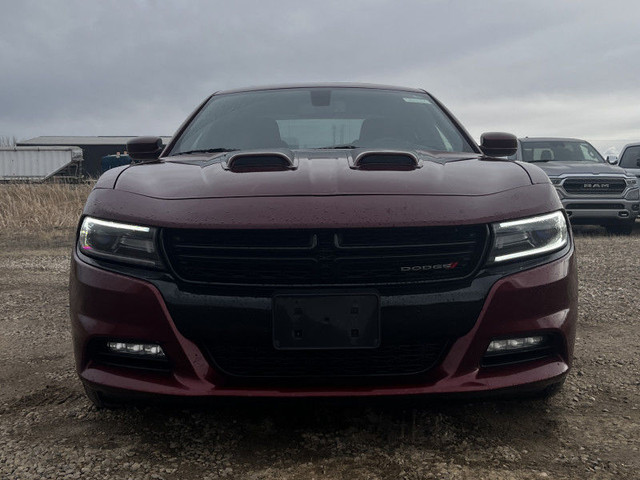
(40, 163)
(93, 148)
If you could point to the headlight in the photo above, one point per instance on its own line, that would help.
(528, 237)
(555, 180)
(119, 242)
(633, 194)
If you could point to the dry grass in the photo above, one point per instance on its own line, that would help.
(49, 210)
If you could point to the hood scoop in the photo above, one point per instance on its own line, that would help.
(386, 160)
(259, 162)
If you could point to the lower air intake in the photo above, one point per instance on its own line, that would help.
(267, 362)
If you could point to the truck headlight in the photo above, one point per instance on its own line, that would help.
(528, 237)
(633, 194)
(119, 242)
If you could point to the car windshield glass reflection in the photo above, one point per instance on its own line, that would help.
(559, 151)
(322, 118)
(631, 157)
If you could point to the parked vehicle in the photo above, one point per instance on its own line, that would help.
(592, 191)
(630, 159)
(334, 240)
(112, 161)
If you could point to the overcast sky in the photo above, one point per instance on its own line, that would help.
(538, 67)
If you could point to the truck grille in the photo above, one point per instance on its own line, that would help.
(325, 257)
(267, 362)
(594, 186)
(595, 206)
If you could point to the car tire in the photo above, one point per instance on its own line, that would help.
(99, 399)
(625, 228)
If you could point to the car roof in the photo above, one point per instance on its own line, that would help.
(322, 85)
(633, 144)
(550, 139)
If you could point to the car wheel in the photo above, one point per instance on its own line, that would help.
(99, 399)
(621, 229)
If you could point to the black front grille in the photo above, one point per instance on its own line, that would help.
(267, 362)
(595, 206)
(594, 186)
(325, 257)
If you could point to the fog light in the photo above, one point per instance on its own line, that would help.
(141, 349)
(514, 344)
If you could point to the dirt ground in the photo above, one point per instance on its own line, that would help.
(48, 429)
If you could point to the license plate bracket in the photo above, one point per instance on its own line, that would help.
(326, 321)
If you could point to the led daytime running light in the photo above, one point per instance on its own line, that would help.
(529, 237)
(120, 226)
(528, 221)
(119, 242)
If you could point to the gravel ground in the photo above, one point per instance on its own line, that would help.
(49, 430)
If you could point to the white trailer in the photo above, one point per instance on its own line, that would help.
(40, 163)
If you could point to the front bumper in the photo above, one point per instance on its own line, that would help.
(600, 210)
(540, 300)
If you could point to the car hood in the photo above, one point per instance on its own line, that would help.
(322, 174)
(554, 169)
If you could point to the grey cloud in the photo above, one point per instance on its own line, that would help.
(115, 67)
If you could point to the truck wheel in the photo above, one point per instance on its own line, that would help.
(625, 228)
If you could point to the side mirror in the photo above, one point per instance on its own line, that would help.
(498, 144)
(612, 159)
(145, 148)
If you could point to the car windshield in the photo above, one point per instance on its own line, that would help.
(559, 151)
(630, 157)
(319, 118)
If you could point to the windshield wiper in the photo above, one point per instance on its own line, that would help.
(539, 161)
(339, 147)
(207, 150)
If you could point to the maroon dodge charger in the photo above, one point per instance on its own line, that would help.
(322, 240)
